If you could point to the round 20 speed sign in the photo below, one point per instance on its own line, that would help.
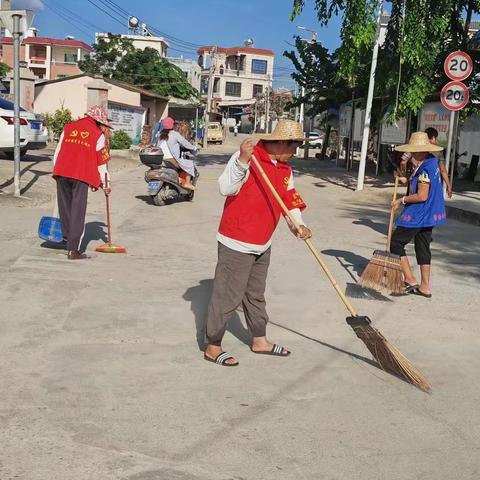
(458, 66)
(455, 96)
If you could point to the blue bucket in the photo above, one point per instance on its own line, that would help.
(50, 229)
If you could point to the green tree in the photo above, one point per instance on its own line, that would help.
(4, 69)
(419, 36)
(56, 121)
(116, 58)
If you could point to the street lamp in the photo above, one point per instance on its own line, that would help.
(17, 22)
(313, 32)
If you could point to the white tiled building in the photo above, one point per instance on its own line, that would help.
(240, 74)
(192, 70)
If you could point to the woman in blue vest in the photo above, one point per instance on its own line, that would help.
(424, 209)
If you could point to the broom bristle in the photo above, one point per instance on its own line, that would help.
(383, 273)
(387, 355)
(110, 248)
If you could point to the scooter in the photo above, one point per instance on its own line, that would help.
(165, 181)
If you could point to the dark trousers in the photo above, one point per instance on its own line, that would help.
(422, 238)
(240, 278)
(72, 206)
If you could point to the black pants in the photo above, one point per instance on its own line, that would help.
(72, 206)
(422, 238)
(240, 278)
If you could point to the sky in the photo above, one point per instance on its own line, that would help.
(226, 23)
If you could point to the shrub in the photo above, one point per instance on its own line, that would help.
(57, 121)
(120, 140)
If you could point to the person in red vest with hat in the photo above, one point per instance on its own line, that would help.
(80, 161)
(250, 217)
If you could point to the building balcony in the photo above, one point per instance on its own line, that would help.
(37, 62)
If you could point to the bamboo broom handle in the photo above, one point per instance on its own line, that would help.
(308, 242)
(392, 216)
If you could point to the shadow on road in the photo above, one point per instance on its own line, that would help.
(199, 298)
(93, 231)
(328, 345)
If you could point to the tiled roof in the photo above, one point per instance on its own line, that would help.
(237, 50)
(58, 42)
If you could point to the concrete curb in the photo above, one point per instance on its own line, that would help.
(464, 216)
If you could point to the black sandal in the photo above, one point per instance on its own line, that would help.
(277, 351)
(221, 359)
(410, 288)
(421, 294)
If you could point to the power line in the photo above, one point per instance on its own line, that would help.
(75, 17)
(182, 43)
(106, 12)
(68, 20)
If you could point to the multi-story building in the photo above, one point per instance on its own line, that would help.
(47, 58)
(240, 74)
(192, 70)
(143, 41)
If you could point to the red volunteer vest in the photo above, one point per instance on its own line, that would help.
(252, 215)
(78, 157)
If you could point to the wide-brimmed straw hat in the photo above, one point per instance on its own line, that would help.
(98, 113)
(286, 130)
(419, 143)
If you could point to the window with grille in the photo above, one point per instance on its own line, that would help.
(70, 58)
(233, 89)
(257, 90)
(259, 66)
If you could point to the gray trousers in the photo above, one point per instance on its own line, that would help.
(240, 278)
(72, 206)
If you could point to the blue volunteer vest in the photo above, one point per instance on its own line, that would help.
(431, 212)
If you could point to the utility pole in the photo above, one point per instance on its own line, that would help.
(267, 110)
(368, 111)
(211, 72)
(16, 112)
(17, 22)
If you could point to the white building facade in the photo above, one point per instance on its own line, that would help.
(240, 74)
(192, 70)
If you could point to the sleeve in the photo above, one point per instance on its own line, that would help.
(184, 142)
(424, 177)
(234, 176)
(103, 156)
(57, 150)
(292, 198)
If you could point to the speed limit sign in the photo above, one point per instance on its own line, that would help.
(455, 96)
(458, 66)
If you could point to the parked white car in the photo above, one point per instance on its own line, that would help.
(33, 133)
(315, 141)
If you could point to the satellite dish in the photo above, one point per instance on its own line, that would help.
(249, 42)
(133, 22)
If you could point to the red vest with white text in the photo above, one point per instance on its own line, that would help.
(78, 157)
(252, 215)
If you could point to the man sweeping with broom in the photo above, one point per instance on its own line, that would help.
(424, 209)
(249, 219)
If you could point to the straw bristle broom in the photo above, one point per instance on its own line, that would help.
(384, 271)
(386, 354)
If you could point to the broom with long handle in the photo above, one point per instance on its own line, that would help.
(384, 271)
(109, 247)
(386, 354)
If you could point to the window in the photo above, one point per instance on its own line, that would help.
(257, 90)
(233, 89)
(216, 85)
(70, 58)
(259, 66)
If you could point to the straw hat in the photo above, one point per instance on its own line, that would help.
(419, 143)
(98, 113)
(287, 130)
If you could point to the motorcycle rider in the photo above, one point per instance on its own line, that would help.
(172, 142)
